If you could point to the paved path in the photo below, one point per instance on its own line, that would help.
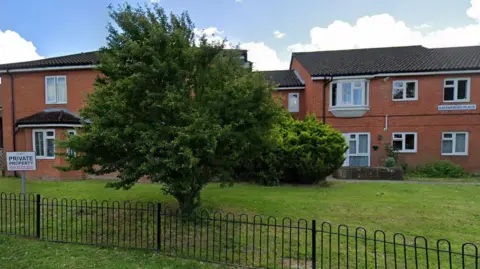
(400, 181)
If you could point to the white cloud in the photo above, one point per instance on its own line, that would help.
(474, 10)
(263, 57)
(155, 1)
(14, 48)
(212, 34)
(423, 26)
(384, 30)
(279, 34)
(238, 1)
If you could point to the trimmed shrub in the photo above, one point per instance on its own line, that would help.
(441, 169)
(389, 162)
(312, 150)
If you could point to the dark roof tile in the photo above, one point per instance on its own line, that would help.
(86, 58)
(389, 60)
(51, 117)
(284, 78)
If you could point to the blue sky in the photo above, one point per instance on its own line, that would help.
(57, 27)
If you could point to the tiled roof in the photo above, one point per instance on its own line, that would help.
(389, 60)
(284, 78)
(59, 116)
(86, 58)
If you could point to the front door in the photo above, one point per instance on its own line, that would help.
(358, 153)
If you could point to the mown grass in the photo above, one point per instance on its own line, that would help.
(434, 211)
(21, 253)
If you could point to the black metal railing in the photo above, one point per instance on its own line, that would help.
(241, 240)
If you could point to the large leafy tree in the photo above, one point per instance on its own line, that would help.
(170, 107)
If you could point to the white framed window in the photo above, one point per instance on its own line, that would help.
(55, 89)
(405, 90)
(404, 142)
(44, 143)
(347, 93)
(455, 143)
(71, 152)
(294, 102)
(456, 90)
(358, 153)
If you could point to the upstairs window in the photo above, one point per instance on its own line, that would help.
(404, 90)
(456, 90)
(56, 90)
(44, 144)
(349, 93)
(294, 102)
(404, 142)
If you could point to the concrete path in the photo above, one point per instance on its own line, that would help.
(330, 179)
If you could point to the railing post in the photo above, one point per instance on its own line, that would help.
(37, 208)
(314, 244)
(159, 215)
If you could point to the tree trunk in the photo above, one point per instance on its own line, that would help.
(188, 202)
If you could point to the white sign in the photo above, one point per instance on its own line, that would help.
(21, 161)
(457, 107)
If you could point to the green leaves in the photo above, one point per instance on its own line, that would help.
(171, 108)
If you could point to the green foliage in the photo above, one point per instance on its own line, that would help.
(170, 107)
(391, 152)
(389, 162)
(305, 152)
(404, 167)
(440, 169)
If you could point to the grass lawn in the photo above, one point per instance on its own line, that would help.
(19, 253)
(433, 211)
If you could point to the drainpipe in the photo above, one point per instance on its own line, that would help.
(325, 84)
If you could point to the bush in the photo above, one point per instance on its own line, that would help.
(305, 152)
(441, 169)
(312, 150)
(389, 162)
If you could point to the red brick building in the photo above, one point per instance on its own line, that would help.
(40, 103)
(422, 101)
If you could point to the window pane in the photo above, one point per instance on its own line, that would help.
(334, 94)
(448, 94)
(411, 90)
(449, 82)
(363, 144)
(410, 141)
(462, 89)
(62, 93)
(447, 135)
(50, 147)
(353, 147)
(357, 96)
(447, 146)
(39, 150)
(358, 161)
(50, 133)
(397, 144)
(293, 102)
(398, 84)
(51, 91)
(397, 94)
(357, 84)
(347, 93)
(397, 136)
(460, 143)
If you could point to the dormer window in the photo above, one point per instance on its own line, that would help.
(56, 90)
